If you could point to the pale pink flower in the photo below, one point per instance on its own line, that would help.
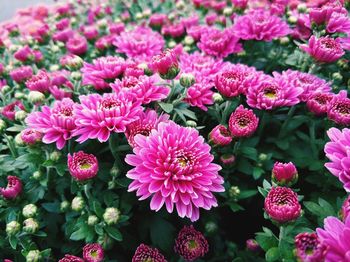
(77, 45)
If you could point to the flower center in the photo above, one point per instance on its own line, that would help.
(109, 103)
(224, 132)
(343, 109)
(66, 111)
(94, 253)
(243, 122)
(192, 244)
(84, 165)
(270, 92)
(329, 44)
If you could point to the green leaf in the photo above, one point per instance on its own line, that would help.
(13, 241)
(272, 254)
(247, 193)
(114, 233)
(234, 206)
(162, 233)
(97, 208)
(257, 172)
(52, 207)
(99, 229)
(166, 107)
(78, 235)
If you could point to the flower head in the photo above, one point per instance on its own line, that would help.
(13, 188)
(82, 166)
(21, 74)
(174, 166)
(284, 173)
(77, 45)
(338, 23)
(190, 244)
(31, 136)
(39, 82)
(71, 258)
(145, 253)
(345, 209)
(165, 64)
(253, 245)
(93, 253)
(200, 95)
(243, 122)
(9, 110)
(281, 204)
(339, 109)
(318, 103)
(309, 248)
(220, 135)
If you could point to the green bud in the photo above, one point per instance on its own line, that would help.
(337, 76)
(180, 5)
(228, 11)
(211, 227)
(284, 40)
(78, 204)
(114, 171)
(55, 48)
(20, 115)
(234, 191)
(171, 74)
(2, 125)
(302, 8)
(138, 16)
(218, 99)
(92, 220)
(111, 215)
(191, 123)
(54, 67)
(188, 40)
(18, 140)
(36, 97)
(292, 19)
(37, 175)
(5, 89)
(29, 210)
(76, 75)
(187, 48)
(12, 228)
(19, 95)
(187, 79)
(146, 13)
(171, 44)
(33, 256)
(262, 157)
(64, 206)
(111, 185)
(145, 69)
(30, 225)
(55, 156)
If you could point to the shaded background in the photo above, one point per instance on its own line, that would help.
(9, 7)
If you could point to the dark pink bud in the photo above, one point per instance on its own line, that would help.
(13, 188)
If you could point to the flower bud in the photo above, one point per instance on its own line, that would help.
(284, 174)
(227, 159)
(36, 97)
(5, 89)
(29, 210)
(187, 79)
(218, 99)
(252, 245)
(55, 156)
(345, 209)
(337, 76)
(180, 5)
(114, 171)
(33, 256)
(262, 157)
(171, 44)
(191, 123)
(211, 227)
(78, 204)
(292, 19)
(37, 175)
(64, 206)
(234, 192)
(55, 48)
(228, 11)
(111, 185)
(2, 125)
(189, 40)
(18, 140)
(302, 8)
(30, 225)
(284, 40)
(54, 68)
(138, 16)
(111, 215)
(19, 95)
(76, 75)
(92, 220)
(220, 135)
(20, 115)
(12, 228)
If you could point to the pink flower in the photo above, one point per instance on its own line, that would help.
(39, 82)
(71, 62)
(335, 236)
(324, 49)
(71, 258)
(345, 209)
(309, 248)
(318, 103)
(145, 253)
(281, 204)
(143, 126)
(104, 42)
(102, 71)
(82, 166)
(219, 43)
(243, 122)
(97, 116)
(62, 24)
(77, 45)
(56, 123)
(260, 25)
(21, 74)
(302, 28)
(241, 4)
(93, 253)
(338, 23)
(227, 159)
(190, 244)
(253, 245)
(200, 95)
(24, 54)
(9, 110)
(116, 28)
(140, 44)
(337, 152)
(173, 30)
(165, 64)
(90, 32)
(13, 188)
(322, 14)
(284, 173)
(339, 109)
(174, 166)
(157, 20)
(220, 135)
(64, 35)
(31, 136)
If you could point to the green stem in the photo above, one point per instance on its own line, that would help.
(280, 237)
(313, 139)
(286, 122)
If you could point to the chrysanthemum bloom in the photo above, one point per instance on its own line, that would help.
(324, 49)
(243, 122)
(252, 245)
(309, 248)
(190, 244)
(104, 42)
(200, 95)
(338, 23)
(260, 25)
(219, 43)
(71, 62)
(145, 253)
(77, 45)
(157, 20)
(24, 54)
(143, 88)
(271, 93)
(71, 258)
(39, 82)
(9, 110)
(165, 64)
(308, 82)
(31, 136)
(335, 236)
(284, 173)
(227, 159)
(336, 151)
(21, 74)
(322, 14)
(220, 135)
(97, 116)
(318, 103)
(56, 123)
(281, 204)
(82, 166)
(64, 35)
(13, 188)
(93, 253)
(140, 44)
(241, 4)
(174, 30)
(174, 166)
(345, 209)
(146, 122)
(90, 32)
(102, 71)
(339, 109)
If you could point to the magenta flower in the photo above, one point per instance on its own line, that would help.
(102, 71)
(220, 135)
(13, 188)
(335, 236)
(190, 244)
(31, 136)
(345, 209)
(322, 14)
(252, 245)
(21, 74)
(260, 25)
(174, 30)
(281, 204)
(338, 23)
(97, 116)
(200, 95)
(143, 88)
(146, 253)
(24, 54)
(284, 173)
(82, 166)
(336, 151)
(143, 126)
(56, 123)
(165, 64)
(339, 109)
(174, 166)
(93, 253)
(318, 103)
(71, 258)
(39, 82)
(243, 122)
(140, 44)
(9, 110)
(324, 49)
(309, 248)
(219, 43)
(157, 20)
(77, 45)
(227, 159)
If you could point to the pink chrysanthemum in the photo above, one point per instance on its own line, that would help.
(309, 248)
(337, 152)
(243, 122)
(21, 74)
(140, 44)
(174, 166)
(190, 244)
(77, 45)
(31, 136)
(71, 258)
(260, 25)
(271, 93)
(143, 126)
(308, 82)
(102, 71)
(39, 82)
(97, 116)
(322, 14)
(345, 209)
(200, 95)
(220, 135)
(338, 23)
(56, 123)
(324, 49)
(219, 43)
(318, 103)
(165, 64)
(339, 109)
(335, 236)
(145, 253)
(281, 204)
(24, 54)
(13, 188)
(252, 245)
(284, 173)
(93, 253)
(9, 110)
(82, 166)
(143, 88)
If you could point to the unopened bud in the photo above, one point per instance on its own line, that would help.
(12, 228)
(78, 204)
(20, 115)
(29, 210)
(187, 79)
(76, 75)
(55, 156)
(234, 191)
(111, 215)
(218, 99)
(36, 97)
(30, 225)
(92, 220)
(191, 123)
(64, 206)
(33, 256)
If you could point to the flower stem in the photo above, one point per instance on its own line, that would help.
(286, 122)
